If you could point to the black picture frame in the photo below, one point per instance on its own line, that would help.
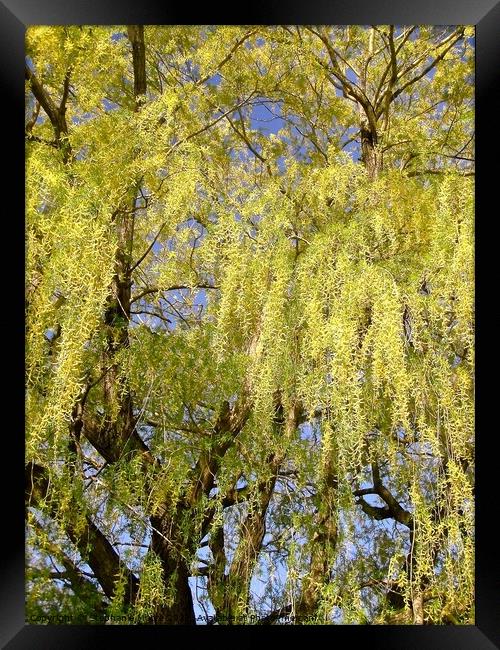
(15, 16)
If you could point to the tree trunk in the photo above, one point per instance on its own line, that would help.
(323, 549)
(371, 157)
(232, 605)
(172, 543)
(252, 531)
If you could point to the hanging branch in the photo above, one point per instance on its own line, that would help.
(91, 542)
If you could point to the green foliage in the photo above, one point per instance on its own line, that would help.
(263, 274)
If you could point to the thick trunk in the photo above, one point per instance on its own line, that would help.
(323, 549)
(252, 531)
(418, 609)
(232, 605)
(324, 541)
(136, 37)
(172, 543)
(118, 433)
(371, 157)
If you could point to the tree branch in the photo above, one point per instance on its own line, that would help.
(175, 287)
(275, 615)
(148, 249)
(56, 115)
(209, 125)
(42, 97)
(93, 545)
(392, 509)
(79, 580)
(432, 64)
(229, 55)
(136, 37)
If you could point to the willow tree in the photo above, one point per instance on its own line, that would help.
(249, 332)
